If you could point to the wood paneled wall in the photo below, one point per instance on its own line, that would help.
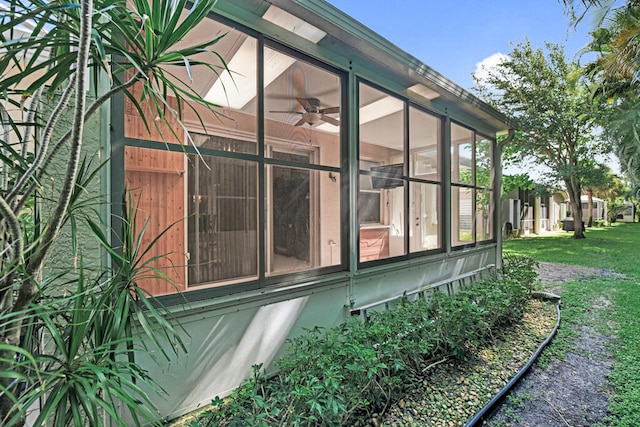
(155, 182)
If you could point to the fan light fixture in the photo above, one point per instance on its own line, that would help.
(312, 113)
(311, 118)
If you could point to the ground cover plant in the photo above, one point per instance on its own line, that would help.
(613, 250)
(353, 374)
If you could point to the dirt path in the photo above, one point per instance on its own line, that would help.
(570, 392)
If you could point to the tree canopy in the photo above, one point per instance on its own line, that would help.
(548, 101)
(615, 74)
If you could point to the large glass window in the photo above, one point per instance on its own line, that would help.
(399, 157)
(425, 188)
(302, 138)
(254, 189)
(212, 188)
(381, 206)
(302, 110)
(484, 192)
(471, 191)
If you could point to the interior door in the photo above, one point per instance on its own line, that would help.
(291, 208)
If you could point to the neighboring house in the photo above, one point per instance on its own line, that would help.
(526, 212)
(629, 213)
(341, 172)
(599, 209)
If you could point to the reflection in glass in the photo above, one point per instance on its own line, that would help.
(461, 155)
(234, 123)
(484, 215)
(461, 215)
(483, 162)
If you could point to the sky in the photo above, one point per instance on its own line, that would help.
(454, 36)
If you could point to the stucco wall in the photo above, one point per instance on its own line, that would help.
(62, 256)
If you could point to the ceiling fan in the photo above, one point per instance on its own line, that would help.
(312, 113)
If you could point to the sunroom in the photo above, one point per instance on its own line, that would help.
(337, 171)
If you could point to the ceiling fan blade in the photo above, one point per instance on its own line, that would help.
(305, 104)
(331, 120)
(286, 112)
(299, 80)
(300, 122)
(330, 110)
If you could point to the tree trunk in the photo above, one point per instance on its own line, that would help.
(573, 188)
(590, 207)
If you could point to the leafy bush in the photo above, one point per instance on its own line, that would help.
(351, 372)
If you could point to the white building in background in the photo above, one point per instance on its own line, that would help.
(629, 214)
(599, 209)
(525, 212)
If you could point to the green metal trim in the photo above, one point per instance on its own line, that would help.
(188, 149)
(497, 201)
(300, 276)
(262, 183)
(354, 156)
(105, 174)
(299, 165)
(205, 301)
(446, 185)
(407, 189)
(117, 168)
(424, 181)
(345, 167)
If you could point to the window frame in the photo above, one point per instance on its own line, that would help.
(217, 289)
(474, 187)
(406, 178)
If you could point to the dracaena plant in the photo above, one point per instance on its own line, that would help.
(45, 71)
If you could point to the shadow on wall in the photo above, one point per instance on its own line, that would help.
(221, 354)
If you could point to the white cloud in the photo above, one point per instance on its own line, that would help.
(489, 63)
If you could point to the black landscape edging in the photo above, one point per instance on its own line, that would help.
(497, 398)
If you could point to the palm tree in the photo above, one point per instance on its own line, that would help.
(615, 74)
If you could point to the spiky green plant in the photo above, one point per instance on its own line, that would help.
(123, 43)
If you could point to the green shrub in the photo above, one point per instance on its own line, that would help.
(348, 373)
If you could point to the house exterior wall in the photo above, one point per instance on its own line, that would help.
(558, 210)
(532, 214)
(599, 209)
(231, 325)
(629, 214)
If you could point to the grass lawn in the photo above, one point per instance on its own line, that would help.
(615, 248)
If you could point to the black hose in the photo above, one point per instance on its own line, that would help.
(513, 381)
